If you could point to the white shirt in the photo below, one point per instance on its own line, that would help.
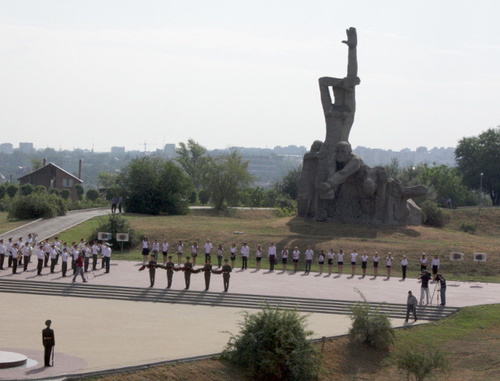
(145, 244)
(364, 258)
(309, 254)
(156, 246)
(271, 251)
(296, 254)
(404, 262)
(340, 257)
(208, 248)
(331, 254)
(284, 253)
(258, 253)
(245, 251)
(354, 257)
(106, 251)
(40, 254)
(435, 261)
(64, 256)
(164, 247)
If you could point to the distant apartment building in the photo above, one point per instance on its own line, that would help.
(6, 148)
(118, 150)
(26, 147)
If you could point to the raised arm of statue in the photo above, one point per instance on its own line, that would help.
(352, 43)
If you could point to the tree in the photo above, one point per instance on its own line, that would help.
(225, 177)
(37, 205)
(26, 189)
(65, 193)
(477, 158)
(79, 191)
(447, 182)
(36, 163)
(3, 191)
(289, 184)
(92, 194)
(153, 185)
(273, 345)
(12, 190)
(190, 157)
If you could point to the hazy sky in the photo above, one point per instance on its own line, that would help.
(83, 74)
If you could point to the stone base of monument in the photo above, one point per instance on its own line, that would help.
(12, 360)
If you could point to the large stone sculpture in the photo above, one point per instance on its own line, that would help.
(335, 184)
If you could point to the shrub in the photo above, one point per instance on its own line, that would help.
(433, 215)
(3, 191)
(40, 189)
(204, 196)
(420, 363)
(92, 194)
(65, 193)
(114, 223)
(26, 189)
(371, 326)
(36, 206)
(12, 190)
(468, 227)
(273, 345)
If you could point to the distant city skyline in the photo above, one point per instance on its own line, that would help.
(96, 74)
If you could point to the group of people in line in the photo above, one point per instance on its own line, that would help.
(285, 255)
(81, 256)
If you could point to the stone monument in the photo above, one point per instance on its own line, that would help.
(335, 184)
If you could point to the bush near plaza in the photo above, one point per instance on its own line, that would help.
(273, 345)
(115, 223)
(420, 363)
(36, 205)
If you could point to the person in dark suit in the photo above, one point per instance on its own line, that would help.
(48, 341)
(207, 270)
(152, 270)
(170, 271)
(226, 269)
(188, 267)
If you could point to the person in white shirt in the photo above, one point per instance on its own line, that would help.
(309, 255)
(271, 253)
(423, 263)
(295, 256)
(376, 260)
(64, 260)
(156, 249)
(164, 251)
(232, 255)
(40, 254)
(106, 255)
(26, 250)
(208, 250)
(95, 252)
(145, 250)
(435, 265)
(404, 265)
(321, 261)
(284, 258)
(364, 263)
(331, 256)
(388, 264)
(354, 258)
(245, 253)
(340, 261)
(194, 252)
(180, 248)
(258, 257)
(53, 258)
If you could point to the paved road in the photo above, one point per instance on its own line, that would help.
(46, 228)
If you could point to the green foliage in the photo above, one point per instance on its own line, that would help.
(40, 189)
(36, 206)
(193, 197)
(420, 363)
(273, 345)
(480, 155)
(65, 193)
(12, 190)
(115, 223)
(190, 157)
(371, 326)
(289, 184)
(225, 177)
(154, 186)
(79, 191)
(447, 182)
(3, 191)
(204, 196)
(92, 194)
(55, 191)
(433, 215)
(468, 227)
(26, 189)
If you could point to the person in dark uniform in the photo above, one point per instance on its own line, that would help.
(188, 267)
(170, 271)
(207, 270)
(442, 289)
(226, 270)
(48, 341)
(152, 270)
(411, 306)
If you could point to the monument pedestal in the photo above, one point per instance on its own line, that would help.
(12, 360)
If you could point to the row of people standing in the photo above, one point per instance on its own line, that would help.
(187, 269)
(51, 253)
(330, 258)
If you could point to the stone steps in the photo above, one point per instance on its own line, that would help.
(216, 299)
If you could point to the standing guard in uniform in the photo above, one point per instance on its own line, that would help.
(48, 341)
(170, 267)
(188, 267)
(207, 270)
(226, 270)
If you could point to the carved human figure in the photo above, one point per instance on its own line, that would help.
(339, 114)
(307, 184)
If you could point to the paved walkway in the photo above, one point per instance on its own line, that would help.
(99, 334)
